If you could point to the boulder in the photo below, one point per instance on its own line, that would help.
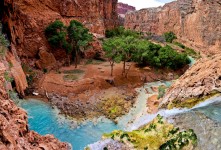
(47, 59)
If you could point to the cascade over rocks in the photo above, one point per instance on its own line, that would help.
(202, 79)
(26, 20)
(14, 130)
(195, 22)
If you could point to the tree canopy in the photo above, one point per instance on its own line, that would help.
(73, 38)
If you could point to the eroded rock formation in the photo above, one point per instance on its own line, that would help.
(17, 73)
(26, 20)
(195, 22)
(122, 9)
(14, 131)
(202, 79)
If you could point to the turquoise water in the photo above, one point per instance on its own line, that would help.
(212, 111)
(44, 120)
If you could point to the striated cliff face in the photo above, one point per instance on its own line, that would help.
(25, 20)
(195, 22)
(201, 81)
(14, 131)
(122, 9)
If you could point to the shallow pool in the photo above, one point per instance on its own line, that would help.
(43, 119)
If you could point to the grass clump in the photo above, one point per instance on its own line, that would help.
(75, 71)
(161, 91)
(157, 135)
(8, 77)
(70, 77)
(114, 107)
(180, 45)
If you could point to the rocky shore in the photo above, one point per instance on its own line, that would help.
(111, 103)
(200, 82)
(14, 130)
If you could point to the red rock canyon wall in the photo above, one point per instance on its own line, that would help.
(197, 23)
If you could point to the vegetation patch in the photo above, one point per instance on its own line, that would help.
(161, 91)
(180, 45)
(75, 71)
(157, 135)
(114, 107)
(169, 36)
(74, 39)
(70, 77)
(8, 77)
(191, 102)
(4, 43)
(120, 31)
(94, 61)
(188, 51)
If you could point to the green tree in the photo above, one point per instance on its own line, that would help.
(121, 31)
(169, 36)
(56, 34)
(79, 38)
(73, 38)
(113, 51)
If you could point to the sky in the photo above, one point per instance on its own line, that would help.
(139, 4)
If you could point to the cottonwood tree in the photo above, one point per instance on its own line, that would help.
(79, 38)
(74, 38)
(113, 50)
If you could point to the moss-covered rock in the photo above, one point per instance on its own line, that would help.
(114, 107)
(158, 134)
(190, 102)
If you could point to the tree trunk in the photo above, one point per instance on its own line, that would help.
(112, 68)
(69, 60)
(76, 59)
(124, 67)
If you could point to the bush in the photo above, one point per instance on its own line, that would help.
(120, 31)
(158, 56)
(4, 43)
(56, 35)
(180, 45)
(161, 91)
(169, 36)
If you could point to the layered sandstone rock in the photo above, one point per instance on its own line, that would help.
(14, 131)
(195, 22)
(201, 80)
(26, 20)
(122, 9)
(17, 73)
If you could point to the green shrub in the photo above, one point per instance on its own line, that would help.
(8, 77)
(158, 56)
(161, 91)
(180, 45)
(120, 31)
(169, 36)
(4, 43)
(56, 35)
(76, 71)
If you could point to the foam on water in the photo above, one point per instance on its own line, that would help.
(167, 113)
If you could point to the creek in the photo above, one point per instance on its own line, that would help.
(204, 118)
